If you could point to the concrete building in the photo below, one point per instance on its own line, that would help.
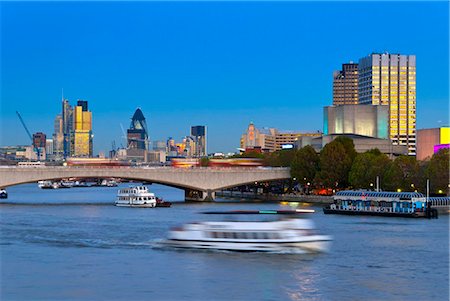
(362, 144)
(390, 80)
(345, 85)
(430, 141)
(269, 139)
(198, 134)
(365, 120)
(82, 130)
(156, 157)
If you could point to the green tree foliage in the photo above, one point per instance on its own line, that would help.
(437, 170)
(335, 164)
(282, 158)
(348, 145)
(249, 154)
(403, 173)
(204, 162)
(366, 167)
(305, 164)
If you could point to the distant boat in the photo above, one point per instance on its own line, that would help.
(137, 196)
(162, 203)
(48, 185)
(3, 194)
(285, 234)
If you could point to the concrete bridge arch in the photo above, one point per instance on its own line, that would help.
(202, 181)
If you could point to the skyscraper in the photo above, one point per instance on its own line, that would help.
(82, 130)
(198, 133)
(390, 79)
(58, 138)
(137, 134)
(67, 123)
(345, 85)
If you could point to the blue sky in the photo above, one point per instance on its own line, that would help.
(220, 64)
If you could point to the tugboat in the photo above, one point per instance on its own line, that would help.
(3, 194)
(271, 231)
(162, 203)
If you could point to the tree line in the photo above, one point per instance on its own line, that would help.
(339, 166)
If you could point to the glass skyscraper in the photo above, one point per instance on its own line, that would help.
(390, 79)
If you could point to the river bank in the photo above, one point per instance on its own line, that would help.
(271, 197)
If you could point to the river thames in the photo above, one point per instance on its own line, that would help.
(73, 244)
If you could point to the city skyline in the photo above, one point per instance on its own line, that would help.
(217, 64)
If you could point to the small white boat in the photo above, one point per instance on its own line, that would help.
(48, 185)
(288, 234)
(3, 194)
(137, 196)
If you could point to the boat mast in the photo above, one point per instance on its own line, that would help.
(378, 184)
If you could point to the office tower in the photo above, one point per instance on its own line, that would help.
(159, 146)
(198, 133)
(67, 123)
(390, 79)
(58, 138)
(82, 130)
(49, 147)
(137, 134)
(345, 85)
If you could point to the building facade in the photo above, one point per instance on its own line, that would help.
(390, 80)
(82, 130)
(137, 134)
(345, 85)
(365, 120)
(58, 138)
(67, 123)
(270, 139)
(198, 134)
(430, 141)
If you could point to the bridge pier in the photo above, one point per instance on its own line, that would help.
(199, 196)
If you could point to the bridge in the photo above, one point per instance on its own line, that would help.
(199, 183)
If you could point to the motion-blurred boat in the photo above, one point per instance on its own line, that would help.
(272, 231)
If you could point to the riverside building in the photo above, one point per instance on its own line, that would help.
(270, 139)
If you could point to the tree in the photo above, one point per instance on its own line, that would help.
(348, 145)
(305, 164)
(335, 164)
(438, 171)
(281, 158)
(204, 162)
(366, 167)
(403, 173)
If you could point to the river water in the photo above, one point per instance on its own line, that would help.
(73, 244)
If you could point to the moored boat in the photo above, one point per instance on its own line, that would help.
(137, 196)
(3, 194)
(394, 204)
(268, 233)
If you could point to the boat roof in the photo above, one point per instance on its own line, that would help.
(439, 198)
(285, 212)
(385, 194)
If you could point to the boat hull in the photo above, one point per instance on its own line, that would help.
(372, 213)
(314, 245)
(137, 205)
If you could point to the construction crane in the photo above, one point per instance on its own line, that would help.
(36, 149)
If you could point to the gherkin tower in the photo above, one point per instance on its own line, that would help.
(137, 134)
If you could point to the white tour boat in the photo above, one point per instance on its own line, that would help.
(137, 196)
(285, 234)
